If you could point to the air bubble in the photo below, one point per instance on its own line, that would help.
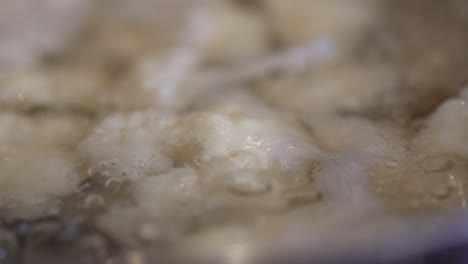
(113, 184)
(105, 174)
(247, 183)
(437, 165)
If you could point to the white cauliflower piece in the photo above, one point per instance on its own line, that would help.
(299, 21)
(67, 87)
(60, 130)
(159, 82)
(57, 130)
(229, 130)
(174, 198)
(350, 89)
(128, 146)
(223, 156)
(127, 225)
(36, 164)
(216, 34)
(31, 176)
(226, 27)
(446, 129)
(338, 134)
(123, 32)
(149, 142)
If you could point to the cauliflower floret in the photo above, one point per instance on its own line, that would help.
(161, 82)
(61, 130)
(124, 32)
(225, 27)
(140, 139)
(228, 130)
(446, 129)
(216, 35)
(337, 134)
(237, 158)
(57, 130)
(127, 146)
(36, 163)
(350, 89)
(299, 21)
(124, 224)
(174, 197)
(29, 176)
(119, 40)
(67, 87)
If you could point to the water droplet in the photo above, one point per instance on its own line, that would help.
(434, 165)
(248, 183)
(391, 164)
(94, 201)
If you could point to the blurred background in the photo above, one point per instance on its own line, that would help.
(391, 62)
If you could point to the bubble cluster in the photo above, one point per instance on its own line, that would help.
(421, 182)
